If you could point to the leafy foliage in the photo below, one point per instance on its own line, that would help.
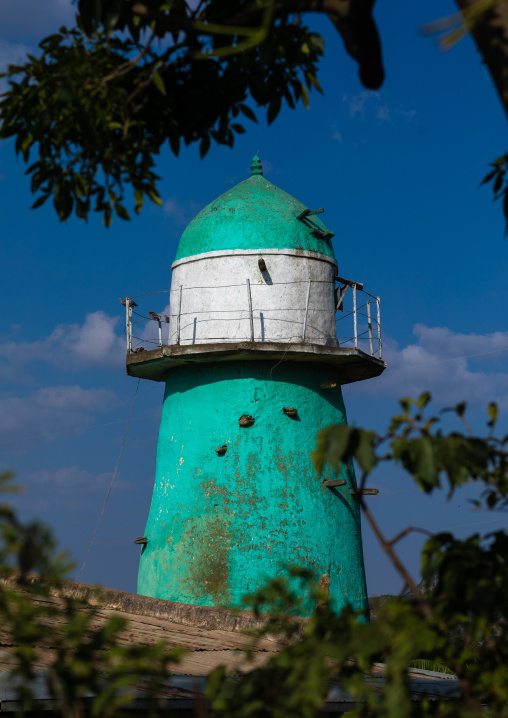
(458, 625)
(454, 621)
(99, 101)
(499, 180)
(88, 658)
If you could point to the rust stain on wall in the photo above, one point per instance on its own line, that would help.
(209, 539)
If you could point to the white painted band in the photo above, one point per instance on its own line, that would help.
(226, 296)
(256, 253)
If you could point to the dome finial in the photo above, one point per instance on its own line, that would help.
(255, 168)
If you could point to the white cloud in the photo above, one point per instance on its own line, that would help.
(268, 167)
(28, 421)
(446, 364)
(74, 397)
(366, 105)
(442, 341)
(357, 103)
(337, 136)
(95, 342)
(181, 213)
(91, 344)
(68, 489)
(175, 211)
(383, 113)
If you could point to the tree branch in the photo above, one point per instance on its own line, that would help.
(410, 529)
(387, 547)
(490, 33)
(352, 19)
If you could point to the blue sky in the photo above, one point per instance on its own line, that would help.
(397, 172)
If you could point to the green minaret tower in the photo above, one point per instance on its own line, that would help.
(253, 370)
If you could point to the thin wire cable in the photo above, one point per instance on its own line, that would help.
(111, 484)
(225, 286)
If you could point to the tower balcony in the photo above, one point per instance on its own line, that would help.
(283, 321)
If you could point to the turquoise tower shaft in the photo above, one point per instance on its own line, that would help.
(221, 523)
(253, 369)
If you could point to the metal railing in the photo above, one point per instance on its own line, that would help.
(356, 315)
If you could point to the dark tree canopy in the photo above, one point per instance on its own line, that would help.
(96, 105)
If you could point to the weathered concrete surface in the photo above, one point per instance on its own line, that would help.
(220, 525)
(342, 364)
(215, 303)
(209, 617)
(254, 214)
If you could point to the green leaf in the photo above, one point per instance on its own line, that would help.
(505, 208)
(40, 201)
(364, 453)
(138, 200)
(492, 412)
(273, 110)
(502, 160)
(316, 43)
(425, 467)
(488, 177)
(333, 446)
(237, 128)
(63, 201)
(313, 79)
(174, 142)
(159, 83)
(121, 211)
(107, 217)
(406, 403)
(424, 399)
(248, 112)
(154, 196)
(460, 408)
(82, 209)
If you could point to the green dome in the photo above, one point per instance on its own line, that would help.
(255, 214)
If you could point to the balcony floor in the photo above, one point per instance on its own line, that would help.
(348, 364)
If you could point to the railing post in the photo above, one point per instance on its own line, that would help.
(378, 302)
(355, 323)
(369, 324)
(128, 324)
(250, 311)
(179, 313)
(169, 318)
(306, 312)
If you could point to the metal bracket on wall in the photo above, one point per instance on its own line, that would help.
(309, 212)
(334, 482)
(358, 285)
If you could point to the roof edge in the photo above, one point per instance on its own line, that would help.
(209, 617)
